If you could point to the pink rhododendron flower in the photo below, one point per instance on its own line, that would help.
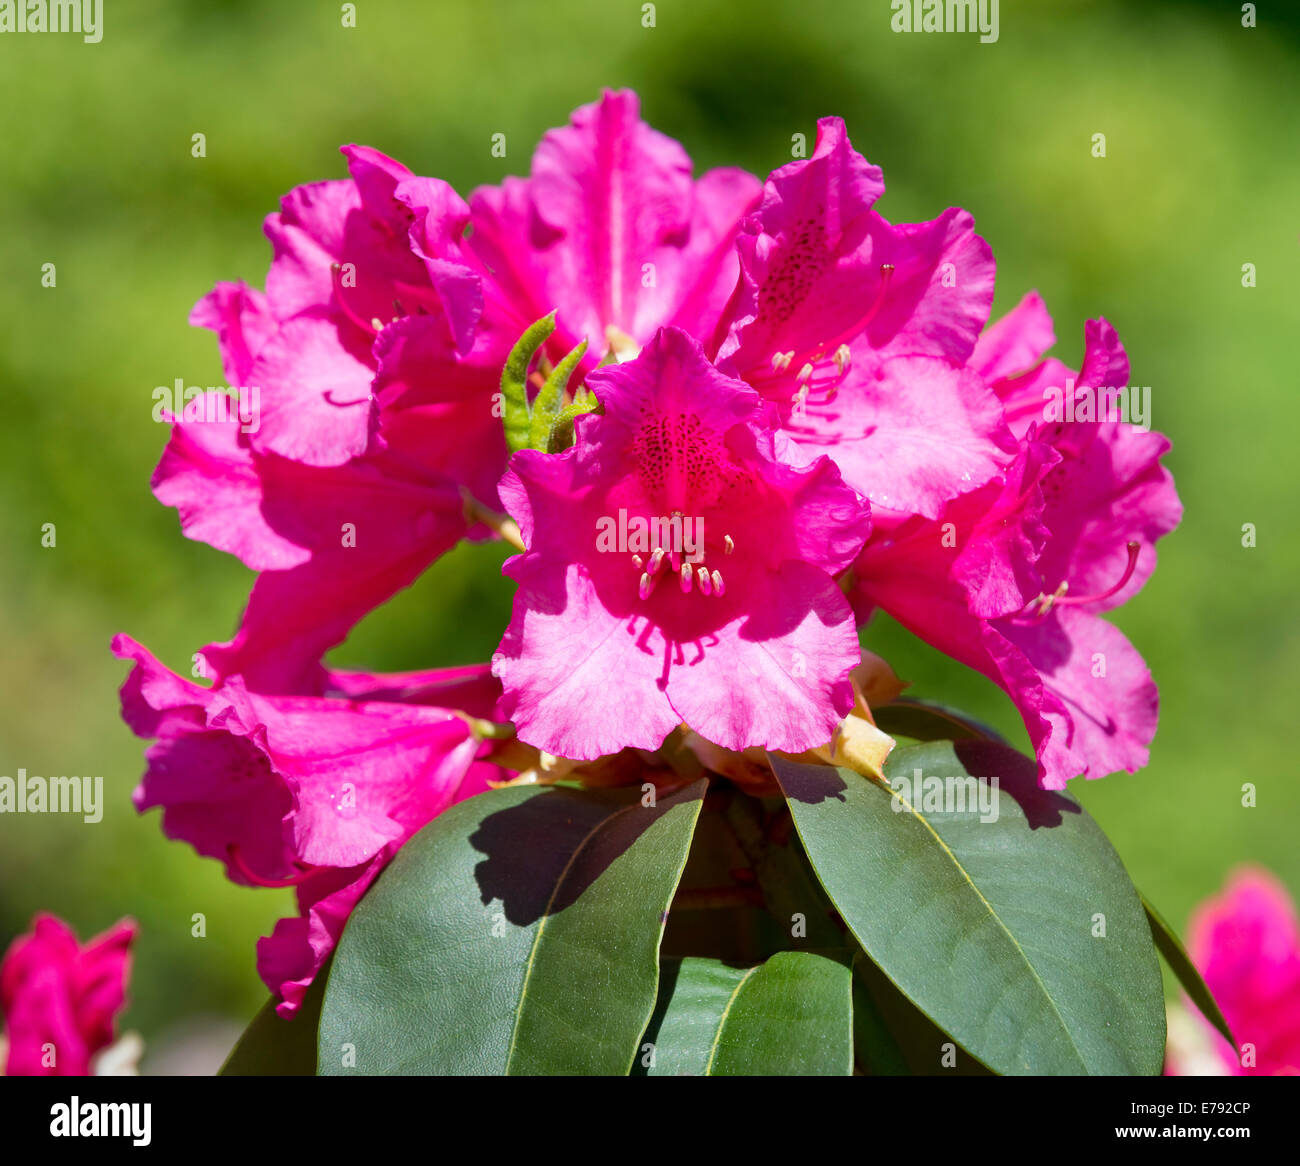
(60, 999)
(1246, 945)
(859, 330)
(331, 542)
(1009, 578)
(732, 624)
(313, 792)
(612, 232)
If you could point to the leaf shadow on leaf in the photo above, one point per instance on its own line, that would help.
(1018, 776)
(530, 880)
(813, 784)
(669, 971)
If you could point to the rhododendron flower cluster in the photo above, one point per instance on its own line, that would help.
(812, 391)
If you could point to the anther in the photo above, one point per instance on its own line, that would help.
(719, 588)
(702, 577)
(728, 545)
(686, 578)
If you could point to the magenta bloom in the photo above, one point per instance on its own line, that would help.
(611, 230)
(1246, 945)
(678, 571)
(1010, 578)
(313, 792)
(331, 543)
(60, 1000)
(859, 331)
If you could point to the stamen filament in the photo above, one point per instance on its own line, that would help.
(237, 861)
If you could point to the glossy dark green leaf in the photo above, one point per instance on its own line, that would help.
(893, 1037)
(517, 933)
(993, 928)
(1180, 963)
(273, 1047)
(789, 1016)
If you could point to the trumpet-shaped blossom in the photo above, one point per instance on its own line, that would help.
(317, 793)
(611, 230)
(60, 999)
(331, 542)
(859, 331)
(1010, 578)
(678, 570)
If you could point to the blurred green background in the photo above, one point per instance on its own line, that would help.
(1201, 176)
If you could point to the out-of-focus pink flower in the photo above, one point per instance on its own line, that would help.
(626, 625)
(317, 793)
(60, 999)
(1246, 945)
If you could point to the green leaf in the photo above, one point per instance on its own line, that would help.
(516, 933)
(514, 382)
(1180, 963)
(988, 926)
(274, 1047)
(548, 406)
(792, 1015)
(893, 1037)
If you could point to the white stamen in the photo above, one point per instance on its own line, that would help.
(706, 584)
(728, 545)
(719, 588)
(686, 578)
